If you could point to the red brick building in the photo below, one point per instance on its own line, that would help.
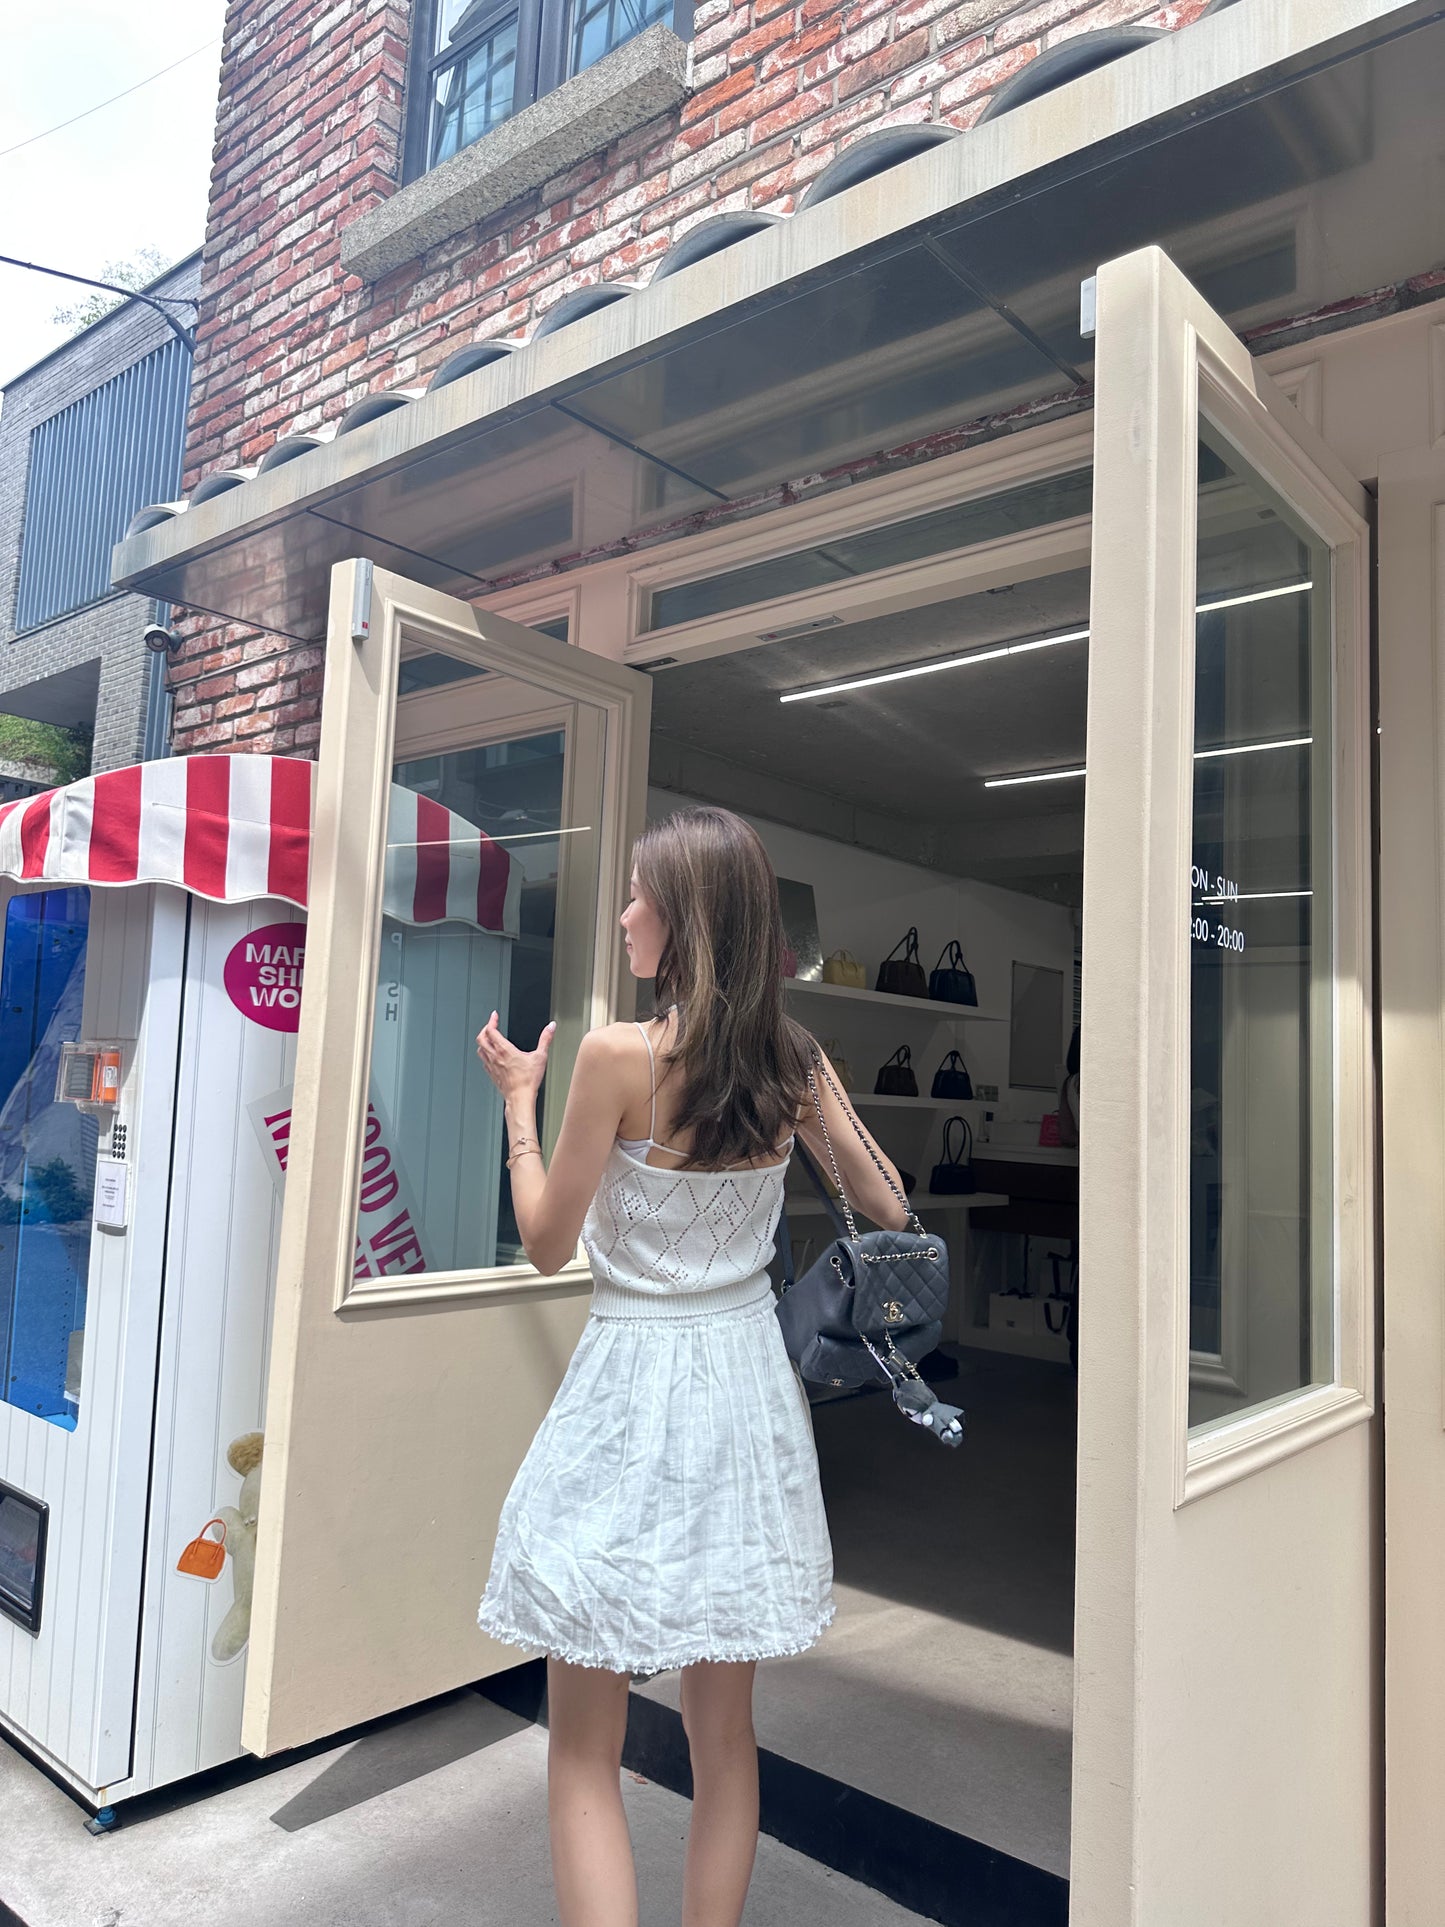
(312, 133)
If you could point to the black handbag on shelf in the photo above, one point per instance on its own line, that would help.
(896, 1078)
(903, 976)
(952, 1080)
(872, 1304)
(951, 981)
(953, 1174)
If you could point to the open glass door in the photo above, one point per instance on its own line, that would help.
(477, 792)
(1224, 1616)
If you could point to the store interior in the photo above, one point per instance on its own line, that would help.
(945, 1687)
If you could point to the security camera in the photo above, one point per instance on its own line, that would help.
(161, 640)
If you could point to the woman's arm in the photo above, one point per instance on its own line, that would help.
(550, 1205)
(864, 1183)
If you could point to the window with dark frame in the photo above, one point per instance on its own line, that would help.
(474, 63)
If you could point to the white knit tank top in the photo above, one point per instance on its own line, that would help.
(666, 1243)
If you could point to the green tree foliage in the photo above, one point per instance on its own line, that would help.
(54, 1194)
(141, 269)
(53, 754)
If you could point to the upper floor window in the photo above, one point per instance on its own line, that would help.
(91, 467)
(475, 62)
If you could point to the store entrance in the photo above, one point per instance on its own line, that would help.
(926, 769)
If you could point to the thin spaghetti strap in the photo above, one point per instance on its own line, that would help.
(652, 1071)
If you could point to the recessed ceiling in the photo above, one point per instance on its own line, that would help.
(916, 750)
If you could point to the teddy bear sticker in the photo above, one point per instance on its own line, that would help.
(205, 1556)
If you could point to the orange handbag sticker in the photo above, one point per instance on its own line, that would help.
(203, 1558)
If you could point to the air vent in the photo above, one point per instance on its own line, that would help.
(658, 662)
(799, 629)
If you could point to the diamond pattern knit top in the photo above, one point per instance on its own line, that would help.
(676, 1243)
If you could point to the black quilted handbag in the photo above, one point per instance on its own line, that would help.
(872, 1305)
(951, 981)
(952, 1080)
(953, 1174)
(896, 1078)
(903, 976)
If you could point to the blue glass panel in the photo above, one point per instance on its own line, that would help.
(47, 1157)
(600, 25)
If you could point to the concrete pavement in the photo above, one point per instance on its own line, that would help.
(438, 1816)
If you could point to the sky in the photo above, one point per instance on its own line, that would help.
(132, 175)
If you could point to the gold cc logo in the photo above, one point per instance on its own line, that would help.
(893, 1312)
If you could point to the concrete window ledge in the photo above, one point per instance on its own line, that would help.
(628, 87)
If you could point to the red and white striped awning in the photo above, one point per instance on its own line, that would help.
(235, 828)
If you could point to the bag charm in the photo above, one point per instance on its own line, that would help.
(872, 1303)
(951, 980)
(903, 976)
(204, 1557)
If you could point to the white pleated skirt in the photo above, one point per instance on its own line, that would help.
(668, 1510)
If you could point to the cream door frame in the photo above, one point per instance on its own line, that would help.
(1165, 1829)
(368, 1568)
(348, 844)
(1412, 1032)
(619, 592)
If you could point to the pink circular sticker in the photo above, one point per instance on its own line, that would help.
(263, 975)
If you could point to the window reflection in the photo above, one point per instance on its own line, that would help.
(434, 1189)
(1261, 1322)
(47, 1157)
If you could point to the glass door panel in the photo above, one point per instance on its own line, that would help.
(1261, 954)
(435, 1192)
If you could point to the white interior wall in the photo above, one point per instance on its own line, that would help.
(865, 903)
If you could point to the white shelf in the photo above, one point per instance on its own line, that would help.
(937, 1009)
(805, 1205)
(862, 1100)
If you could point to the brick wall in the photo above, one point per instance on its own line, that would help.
(309, 137)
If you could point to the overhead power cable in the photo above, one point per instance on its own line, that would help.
(160, 302)
(85, 113)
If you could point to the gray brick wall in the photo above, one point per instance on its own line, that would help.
(109, 631)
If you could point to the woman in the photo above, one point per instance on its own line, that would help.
(668, 1514)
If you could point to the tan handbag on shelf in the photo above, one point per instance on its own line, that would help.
(844, 968)
(832, 1049)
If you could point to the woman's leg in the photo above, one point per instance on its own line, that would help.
(591, 1850)
(722, 1841)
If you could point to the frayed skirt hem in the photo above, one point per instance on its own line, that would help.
(650, 1663)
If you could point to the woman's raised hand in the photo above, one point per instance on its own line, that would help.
(513, 1071)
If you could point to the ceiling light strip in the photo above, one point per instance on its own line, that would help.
(1252, 749)
(1255, 595)
(1035, 776)
(1016, 648)
(933, 668)
(1200, 756)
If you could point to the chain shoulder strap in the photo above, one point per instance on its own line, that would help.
(913, 1218)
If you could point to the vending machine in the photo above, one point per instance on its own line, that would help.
(152, 961)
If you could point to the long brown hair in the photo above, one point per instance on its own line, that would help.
(743, 1061)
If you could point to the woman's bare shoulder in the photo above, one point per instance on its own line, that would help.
(612, 1040)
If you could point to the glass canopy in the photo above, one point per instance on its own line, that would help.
(1300, 185)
